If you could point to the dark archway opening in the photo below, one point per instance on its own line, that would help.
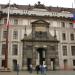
(15, 65)
(42, 54)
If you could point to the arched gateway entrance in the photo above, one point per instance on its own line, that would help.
(40, 46)
(41, 56)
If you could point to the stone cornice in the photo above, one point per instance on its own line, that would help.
(35, 16)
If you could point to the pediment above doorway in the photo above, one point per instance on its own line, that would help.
(40, 21)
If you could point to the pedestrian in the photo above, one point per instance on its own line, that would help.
(30, 68)
(37, 69)
(43, 69)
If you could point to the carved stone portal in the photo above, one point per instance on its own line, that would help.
(40, 47)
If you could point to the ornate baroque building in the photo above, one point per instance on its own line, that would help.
(38, 35)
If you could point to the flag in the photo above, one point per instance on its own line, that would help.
(73, 18)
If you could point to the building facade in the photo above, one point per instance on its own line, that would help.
(38, 35)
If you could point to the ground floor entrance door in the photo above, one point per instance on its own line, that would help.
(28, 63)
(52, 63)
(14, 65)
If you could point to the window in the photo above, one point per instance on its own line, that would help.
(15, 21)
(3, 48)
(63, 36)
(41, 34)
(63, 24)
(5, 21)
(15, 34)
(73, 50)
(4, 34)
(14, 49)
(3, 63)
(64, 48)
(73, 62)
(71, 25)
(0, 21)
(72, 36)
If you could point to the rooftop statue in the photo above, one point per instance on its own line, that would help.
(39, 5)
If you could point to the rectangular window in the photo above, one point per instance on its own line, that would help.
(72, 36)
(73, 62)
(14, 49)
(40, 34)
(0, 21)
(15, 34)
(3, 48)
(71, 25)
(73, 50)
(15, 21)
(3, 63)
(63, 36)
(63, 24)
(64, 48)
(5, 21)
(4, 34)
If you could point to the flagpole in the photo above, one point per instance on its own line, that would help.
(7, 29)
(74, 3)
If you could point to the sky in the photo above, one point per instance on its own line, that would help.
(55, 3)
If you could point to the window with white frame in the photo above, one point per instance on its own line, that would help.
(0, 21)
(5, 21)
(3, 63)
(64, 48)
(15, 34)
(14, 49)
(3, 49)
(16, 21)
(72, 36)
(71, 25)
(63, 24)
(4, 34)
(74, 62)
(63, 36)
(73, 50)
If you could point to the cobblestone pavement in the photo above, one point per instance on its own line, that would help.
(34, 73)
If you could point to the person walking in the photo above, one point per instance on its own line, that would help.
(43, 69)
(37, 69)
(30, 68)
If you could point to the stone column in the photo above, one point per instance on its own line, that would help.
(43, 53)
(34, 58)
(57, 58)
(24, 59)
(48, 59)
(37, 58)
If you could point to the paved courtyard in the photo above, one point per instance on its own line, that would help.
(34, 73)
